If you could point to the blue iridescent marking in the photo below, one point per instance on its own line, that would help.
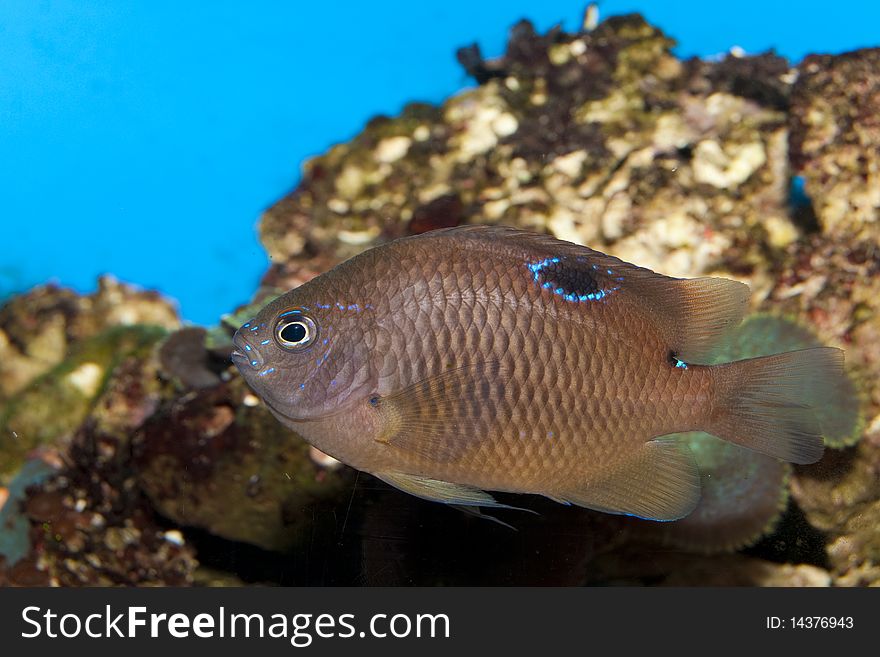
(325, 341)
(247, 347)
(341, 306)
(246, 324)
(255, 328)
(266, 341)
(635, 515)
(537, 267)
(595, 296)
(680, 364)
(302, 386)
(254, 363)
(269, 371)
(291, 312)
(333, 382)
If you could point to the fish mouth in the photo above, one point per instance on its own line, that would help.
(245, 354)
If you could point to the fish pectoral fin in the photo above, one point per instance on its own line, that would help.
(440, 491)
(439, 417)
(660, 481)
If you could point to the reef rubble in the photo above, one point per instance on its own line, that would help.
(131, 452)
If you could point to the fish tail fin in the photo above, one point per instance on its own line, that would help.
(771, 404)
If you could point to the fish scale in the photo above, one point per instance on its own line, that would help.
(486, 358)
(568, 413)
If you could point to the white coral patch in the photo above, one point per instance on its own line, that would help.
(358, 237)
(86, 378)
(481, 118)
(727, 168)
(505, 124)
(392, 149)
(350, 182)
(570, 164)
(338, 205)
(421, 133)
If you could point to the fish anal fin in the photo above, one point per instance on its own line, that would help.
(660, 481)
(557, 498)
(436, 490)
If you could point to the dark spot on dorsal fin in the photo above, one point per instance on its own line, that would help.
(572, 279)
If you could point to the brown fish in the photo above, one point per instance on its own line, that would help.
(487, 358)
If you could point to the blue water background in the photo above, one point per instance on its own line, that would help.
(144, 139)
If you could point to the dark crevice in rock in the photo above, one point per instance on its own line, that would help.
(794, 541)
(801, 206)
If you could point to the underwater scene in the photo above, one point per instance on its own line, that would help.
(604, 314)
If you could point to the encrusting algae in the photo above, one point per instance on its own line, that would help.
(166, 469)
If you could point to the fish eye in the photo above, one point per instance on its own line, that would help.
(295, 331)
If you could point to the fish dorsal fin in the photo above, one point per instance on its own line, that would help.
(692, 314)
(442, 415)
(660, 481)
(698, 312)
(440, 491)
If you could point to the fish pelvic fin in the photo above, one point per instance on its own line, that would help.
(660, 481)
(775, 405)
(436, 490)
(476, 513)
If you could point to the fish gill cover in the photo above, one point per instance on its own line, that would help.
(166, 468)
